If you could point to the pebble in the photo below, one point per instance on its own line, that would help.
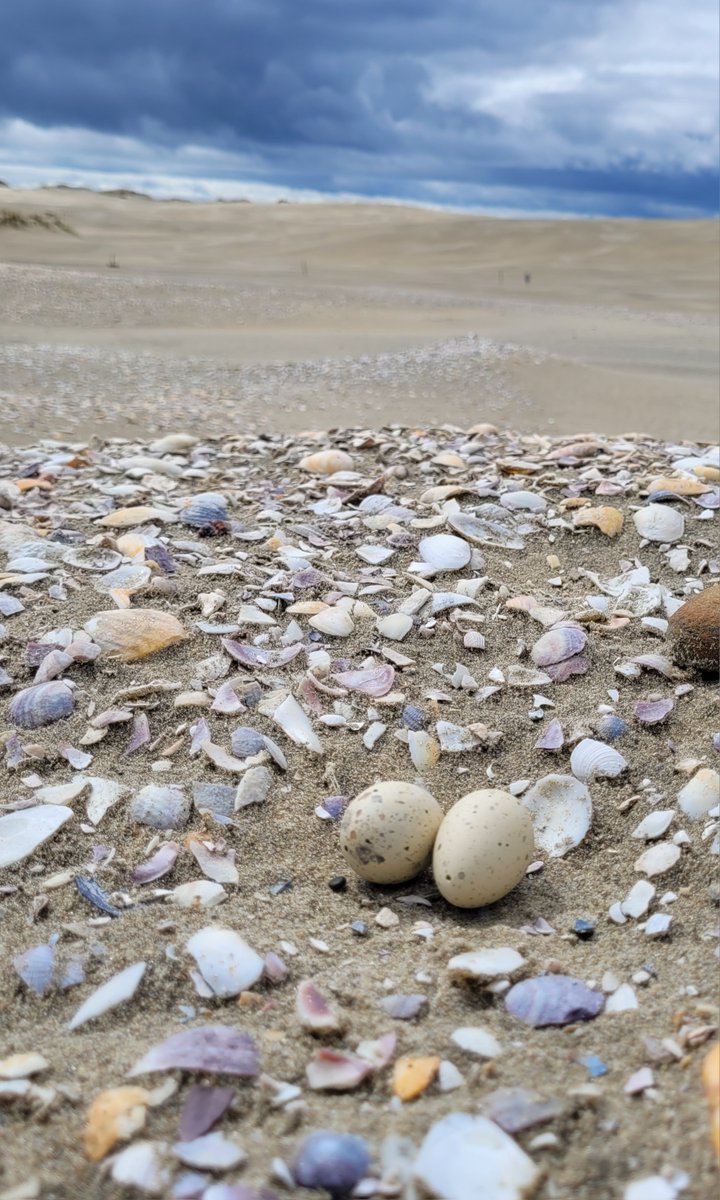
(553, 1000)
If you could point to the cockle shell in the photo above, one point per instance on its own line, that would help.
(553, 1000)
(561, 810)
(591, 759)
(124, 518)
(134, 633)
(206, 512)
(225, 960)
(41, 705)
(558, 644)
(444, 552)
(326, 462)
(659, 523)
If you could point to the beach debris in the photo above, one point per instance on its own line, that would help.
(118, 990)
(225, 960)
(607, 519)
(326, 462)
(553, 1000)
(21, 833)
(413, 1075)
(486, 966)
(659, 523)
(388, 830)
(207, 1049)
(314, 1012)
(482, 848)
(204, 1106)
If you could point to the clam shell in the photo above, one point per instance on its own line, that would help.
(285, 711)
(333, 622)
(124, 518)
(553, 1000)
(41, 705)
(22, 832)
(591, 759)
(659, 523)
(701, 794)
(443, 552)
(165, 807)
(326, 462)
(491, 526)
(523, 501)
(652, 712)
(561, 811)
(134, 633)
(226, 962)
(92, 558)
(206, 512)
(132, 577)
(558, 644)
(396, 626)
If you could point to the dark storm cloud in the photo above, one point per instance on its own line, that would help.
(445, 100)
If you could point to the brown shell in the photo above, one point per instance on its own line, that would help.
(694, 631)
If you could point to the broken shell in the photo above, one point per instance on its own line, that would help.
(114, 1116)
(523, 501)
(461, 1148)
(118, 990)
(396, 626)
(92, 558)
(133, 633)
(253, 788)
(701, 794)
(424, 749)
(561, 811)
(206, 512)
(199, 893)
(313, 1010)
(553, 1000)
(162, 862)
(227, 964)
(412, 1076)
(652, 712)
(336, 1071)
(288, 714)
(165, 807)
(245, 742)
(591, 759)
(607, 519)
(659, 523)
(22, 832)
(132, 577)
(443, 552)
(41, 705)
(370, 681)
(326, 462)
(558, 644)
(333, 622)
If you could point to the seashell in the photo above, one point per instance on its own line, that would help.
(607, 519)
(476, 1041)
(173, 443)
(227, 964)
(461, 1148)
(333, 622)
(161, 863)
(396, 626)
(455, 739)
(104, 794)
(413, 717)
(118, 990)
(678, 486)
(331, 1162)
(114, 1116)
(215, 862)
(637, 901)
(610, 726)
(199, 893)
(486, 965)
(26, 565)
(166, 807)
(373, 554)
(41, 705)
(326, 462)
(211, 1049)
(591, 759)
(130, 578)
(710, 1074)
(92, 558)
(203, 1107)
(553, 1000)
(659, 523)
(491, 526)
(654, 825)
(403, 1008)
(124, 518)
(253, 788)
(9, 605)
(658, 859)
(36, 967)
(561, 811)
(694, 630)
(206, 512)
(413, 1076)
(552, 737)
(652, 712)
(370, 681)
(134, 633)
(21, 1066)
(443, 552)
(217, 798)
(288, 714)
(213, 1151)
(379, 1051)
(336, 1071)
(564, 641)
(22, 832)
(523, 501)
(313, 1011)
(245, 742)
(518, 676)
(701, 794)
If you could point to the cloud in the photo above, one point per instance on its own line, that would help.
(604, 106)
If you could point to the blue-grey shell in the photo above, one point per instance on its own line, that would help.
(218, 797)
(36, 967)
(207, 512)
(335, 1162)
(610, 727)
(245, 741)
(165, 807)
(553, 1000)
(42, 704)
(414, 717)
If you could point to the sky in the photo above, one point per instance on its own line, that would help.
(583, 107)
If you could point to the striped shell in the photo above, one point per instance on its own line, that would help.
(41, 705)
(591, 759)
(133, 633)
(553, 1000)
(558, 644)
(206, 512)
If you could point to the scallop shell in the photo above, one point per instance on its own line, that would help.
(206, 512)
(444, 552)
(333, 622)
(41, 705)
(561, 811)
(557, 644)
(591, 759)
(164, 807)
(133, 633)
(659, 523)
(326, 462)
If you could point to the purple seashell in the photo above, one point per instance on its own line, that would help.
(140, 735)
(14, 751)
(307, 578)
(553, 1000)
(35, 967)
(237, 1191)
(609, 727)
(560, 672)
(414, 718)
(203, 1108)
(709, 499)
(552, 738)
(335, 1162)
(249, 656)
(161, 557)
(652, 712)
(558, 644)
(333, 807)
(190, 1186)
(206, 512)
(160, 864)
(41, 705)
(403, 1008)
(78, 759)
(274, 968)
(517, 1108)
(210, 1049)
(200, 733)
(245, 742)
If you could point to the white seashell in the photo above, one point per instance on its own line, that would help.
(591, 759)
(141, 1166)
(116, 991)
(253, 787)
(92, 558)
(476, 1041)
(561, 810)
(375, 555)
(501, 962)
(455, 739)
(622, 1000)
(529, 501)
(637, 901)
(424, 749)
(22, 832)
(333, 622)
(104, 793)
(291, 718)
(212, 1151)
(658, 859)
(659, 523)
(173, 443)
(326, 462)
(701, 794)
(61, 793)
(166, 807)
(441, 601)
(396, 626)
(132, 577)
(443, 552)
(462, 1150)
(653, 825)
(21, 1066)
(226, 962)
(199, 893)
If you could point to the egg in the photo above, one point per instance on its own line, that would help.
(387, 832)
(482, 849)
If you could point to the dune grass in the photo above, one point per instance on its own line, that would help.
(10, 218)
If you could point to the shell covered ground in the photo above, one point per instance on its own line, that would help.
(284, 579)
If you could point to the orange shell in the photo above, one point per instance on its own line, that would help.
(114, 1116)
(411, 1076)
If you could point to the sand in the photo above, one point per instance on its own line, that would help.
(287, 316)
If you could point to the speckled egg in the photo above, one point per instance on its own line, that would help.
(387, 831)
(482, 848)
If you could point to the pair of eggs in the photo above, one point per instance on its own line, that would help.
(480, 849)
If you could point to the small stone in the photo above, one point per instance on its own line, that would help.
(386, 918)
(477, 1041)
(584, 929)
(658, 925)
(338, 883)
(359, 928)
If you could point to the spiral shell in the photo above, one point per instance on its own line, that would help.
(659, 523)
(133, 633)
(42, 704)
(206, 512)
(591, 759)
(557, 644)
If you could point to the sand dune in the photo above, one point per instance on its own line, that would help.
(290, 315)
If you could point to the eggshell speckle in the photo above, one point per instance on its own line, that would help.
(387, 831)
(482, 848)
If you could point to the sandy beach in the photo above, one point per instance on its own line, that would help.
(232, 316)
